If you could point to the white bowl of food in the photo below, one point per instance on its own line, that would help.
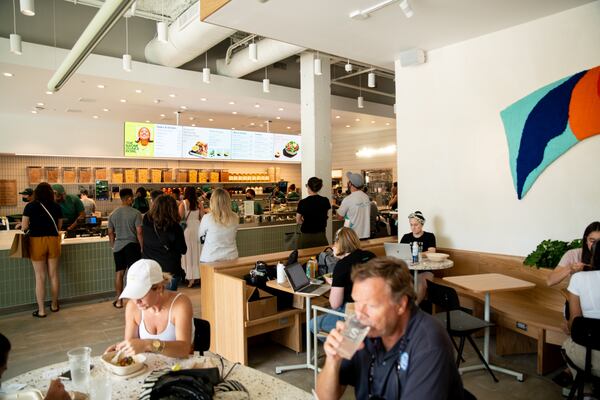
(125, 365)
(437, 257)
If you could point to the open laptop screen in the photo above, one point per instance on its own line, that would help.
(296, 276)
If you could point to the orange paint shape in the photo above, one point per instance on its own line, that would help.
(584, 108)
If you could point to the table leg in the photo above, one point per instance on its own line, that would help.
(415, 280)
(308, 364)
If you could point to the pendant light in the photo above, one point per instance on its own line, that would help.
(162, 29)
(348, 66)
(360, 100)
(253, 51)
(28, 7)
(15, 39)
(371, 79)
(406, 9)
(206, 70)
(317, 63)
(127, 56)
(266, 83)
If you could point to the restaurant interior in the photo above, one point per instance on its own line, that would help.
(262, 95)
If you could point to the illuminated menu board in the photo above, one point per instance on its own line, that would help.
(171, 141)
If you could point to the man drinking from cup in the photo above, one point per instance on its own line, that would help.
(407, 353)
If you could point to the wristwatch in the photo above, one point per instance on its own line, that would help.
(157, 346)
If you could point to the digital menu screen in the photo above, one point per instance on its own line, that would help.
(171, 141)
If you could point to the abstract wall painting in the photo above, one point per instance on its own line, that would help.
(543, 125)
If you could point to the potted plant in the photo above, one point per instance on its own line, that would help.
(549, 252)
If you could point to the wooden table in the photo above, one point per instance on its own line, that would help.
(307, 299)
(487, 283)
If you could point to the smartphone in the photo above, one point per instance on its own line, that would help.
(67, 374)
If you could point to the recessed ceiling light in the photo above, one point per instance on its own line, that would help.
(347, 126)
(49, 92)
(252, 124)
(40, 104)
(372, 122)
(288, 127)
(138, 90)
(175, 112)
(232, 128)
(337, 117)
(183, 107)
(95, 116)
(147, 121)
(357, 119)
(193, 124)
(232, 103)
(172, 96)
(202, 98)
(156, 101)
(191, 118)
(280, 109)
(100, 86)
(123, 101)
(162, 115)
(105, 109)
(234, 112)
(277, 117)
(387, 123)
(34, 112)
(211, 120)
(257, 106)
(8, 74)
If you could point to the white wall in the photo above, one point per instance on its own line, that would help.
(453, 147)
(345, 145)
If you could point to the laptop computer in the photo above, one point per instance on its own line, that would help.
(398, 250)
(300, 282)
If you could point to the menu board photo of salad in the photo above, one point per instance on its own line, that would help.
(286, 147)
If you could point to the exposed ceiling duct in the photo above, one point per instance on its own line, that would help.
(269, 51)
(188, 38)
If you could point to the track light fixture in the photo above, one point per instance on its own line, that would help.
(15, 39)
(253, 52)
(317, 63)
(28, 7)
(266, 83)
(348, 66)
(371, 80)
(206, 70)
(360, 101)
(127, 56)
(406, 9)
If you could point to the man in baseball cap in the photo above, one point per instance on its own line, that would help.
(27, 195)
(72, 207)
(355, 209)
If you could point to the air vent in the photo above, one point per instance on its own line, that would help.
(73, 110)
(86, 100)
(188, 16)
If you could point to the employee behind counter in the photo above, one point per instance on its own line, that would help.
(71, 206)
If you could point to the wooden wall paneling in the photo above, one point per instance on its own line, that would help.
(230, 314)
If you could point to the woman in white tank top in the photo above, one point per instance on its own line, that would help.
(156, 320)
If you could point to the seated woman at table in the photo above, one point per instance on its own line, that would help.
(156, 320)
(56, 390)
(584, 300)
(426, 241)
(346, 247)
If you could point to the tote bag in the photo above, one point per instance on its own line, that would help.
(20, 246)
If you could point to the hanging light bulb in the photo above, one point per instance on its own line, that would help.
(406, 9)
(371, 79)
(266, 83)
(253, 52)
(348, 66)
(318, 65)
(127, 56)
(127, 62)
(360, 102)
(28, 7)
(206, 70)
(15, 40)
(162, 29)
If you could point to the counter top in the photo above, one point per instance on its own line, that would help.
(6, 239)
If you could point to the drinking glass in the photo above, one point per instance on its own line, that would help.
(79, 363)
(100, 387)
(353, 334)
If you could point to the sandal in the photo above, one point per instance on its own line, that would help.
(57, 309)
(37, 314)
(116, 305)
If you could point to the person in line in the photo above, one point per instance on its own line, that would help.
(355, 209)
(154, 195)
(292, 194)
(426, 242)
(393, 203)
(346, 247)
(72, 207)
(43, 219)
(140, 202)
(56, 390)
(27, 198)
(251, 195)
(163, 239)
(574, 260)
(125, 238)
(190, 212)
(407, 353)
(176, 193)
(312, 213)
(374, 215)
(218, 229)
(89, 205)
(156, 320)
(584, 300)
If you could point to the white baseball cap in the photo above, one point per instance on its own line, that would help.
(141, 276)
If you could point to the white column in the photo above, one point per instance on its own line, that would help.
(315, 119)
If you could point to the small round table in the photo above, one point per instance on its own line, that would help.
(428, 265)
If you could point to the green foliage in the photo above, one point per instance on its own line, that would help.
(548, 253)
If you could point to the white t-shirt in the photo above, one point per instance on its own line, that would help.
(585, 285)
(220, 241)
(356, 210)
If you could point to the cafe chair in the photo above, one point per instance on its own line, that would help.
(458, 323)
(201, 335)
(585, 332)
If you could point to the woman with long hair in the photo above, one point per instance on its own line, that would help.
(219, 229)
(43, 219)
(140, 202)
(163, 237)
(190, 212)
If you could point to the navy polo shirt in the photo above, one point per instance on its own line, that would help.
(420, 365)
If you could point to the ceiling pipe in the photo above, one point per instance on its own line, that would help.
(188, 38)
(269, 51)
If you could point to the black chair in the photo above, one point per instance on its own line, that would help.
(458, 323)
(584, 332)
(201, 335)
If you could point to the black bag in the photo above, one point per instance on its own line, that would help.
(188, 384)
(292, 258)
(327, 261)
